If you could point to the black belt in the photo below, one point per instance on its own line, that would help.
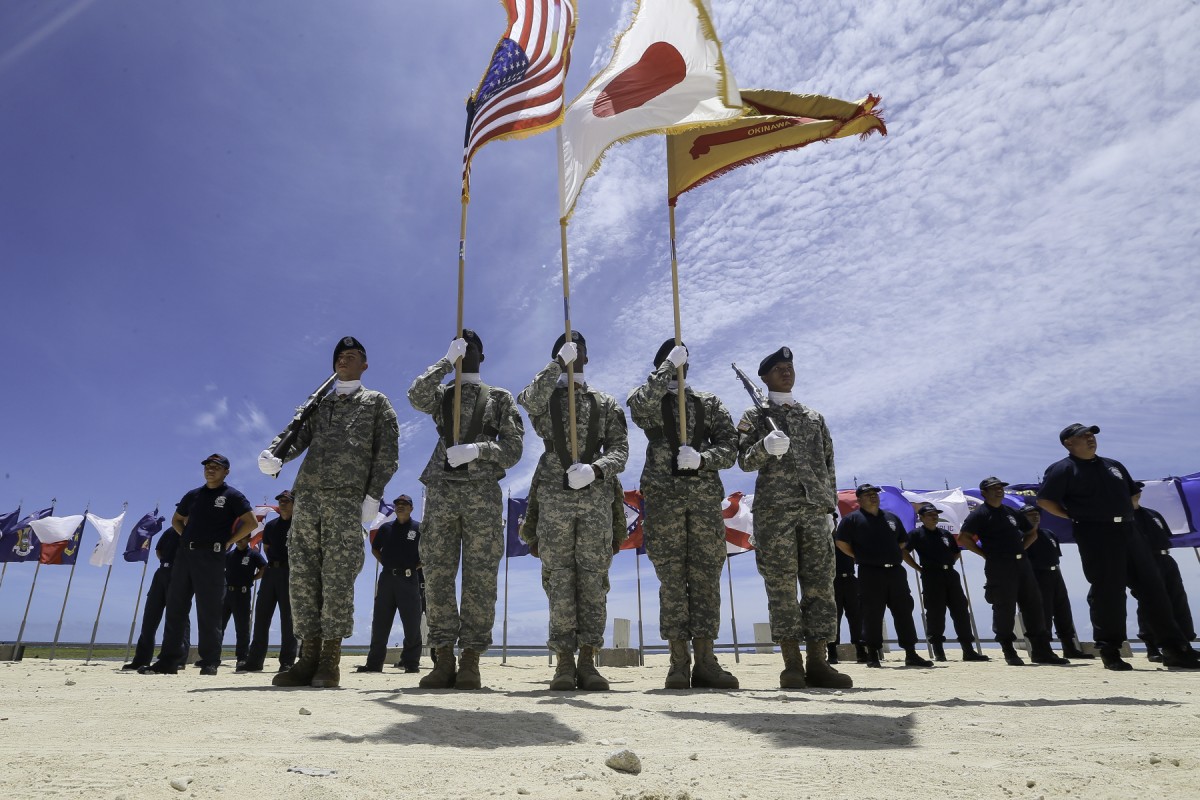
(164, 564)
(242, 589)
(407, 573)
(845, 574)
(1164, 552)
(216, 547)
(945, 566)
(1101, 521)
(278, 565)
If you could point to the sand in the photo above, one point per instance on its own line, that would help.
(956, 730)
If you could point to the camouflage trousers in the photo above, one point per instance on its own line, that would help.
(462, 519)
(790, 544)
(685, 540)
(325, 552)
(575, 545)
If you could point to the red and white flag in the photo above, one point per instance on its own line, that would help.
(260, 514)
(666, 75)
(739, 522)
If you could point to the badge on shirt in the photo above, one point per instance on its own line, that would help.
(245, 561)
(1012, 520)
(744, 426)
(1116, 472)
(412, 535)
(219, 502)
(892, 524)
(1159, 522)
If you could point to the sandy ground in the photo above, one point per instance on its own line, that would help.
(957, 730)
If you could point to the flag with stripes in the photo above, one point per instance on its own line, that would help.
(522, 91)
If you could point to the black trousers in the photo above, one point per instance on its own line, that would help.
(396, 593)
(1173, 583)
(943, 591)
(199, 574)
(845, 597)
(1115, 556)
(152, 614)
(880, 588)
(237, 605)
(272, 592)
(1056, 603)
(1011, 585)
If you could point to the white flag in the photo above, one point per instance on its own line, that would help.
(50, 530)
(951, 504)
(110, 531)
(666, 75)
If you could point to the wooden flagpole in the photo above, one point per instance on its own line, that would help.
(675, 300)
(70, 578)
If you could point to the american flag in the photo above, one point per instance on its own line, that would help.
(522, 91)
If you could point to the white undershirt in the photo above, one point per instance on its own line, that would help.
(347, 387)
(471, 377)
(781, 398)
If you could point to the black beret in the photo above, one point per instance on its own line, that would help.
(472, 337)
(666, 348)
(576, 337)
(782, 354)
(348, 343)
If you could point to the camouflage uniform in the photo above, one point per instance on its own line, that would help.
(685, 533)
(464, 507)
(794, 494)
(574, 530)
(353, 447)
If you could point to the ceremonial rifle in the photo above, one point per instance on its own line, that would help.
(303, 412)
(756, 395)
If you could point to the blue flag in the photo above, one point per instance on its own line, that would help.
(8, 522)
(18, 542)
(513, 545)
(137, 546)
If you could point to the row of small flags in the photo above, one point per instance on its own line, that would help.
(47, 539)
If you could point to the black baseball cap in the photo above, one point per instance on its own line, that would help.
(286, 494)
(928, 508)
(1076, 428)
(1030, 509)
(403, 499)
(779, 356)
(988, 483)
(863, 488)
(1138, 486)
(218, 459)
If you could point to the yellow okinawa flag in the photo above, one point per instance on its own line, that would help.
(776, 121)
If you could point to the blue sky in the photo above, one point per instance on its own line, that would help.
(198, 199)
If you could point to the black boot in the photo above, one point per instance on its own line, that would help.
(939, 652)
(970, 653)
(1179, 657)
(1072, 651)
(1111, 658)
(913, 659)
(1010, 655)
(1043, 654)
(832, 656)
(1153, 653)
(862, 655)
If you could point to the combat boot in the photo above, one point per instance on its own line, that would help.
(442, 674)
(329, 673)
(708, 674)
(970, 653)
(468, 671)
(679, 675)
(1043, 654)
(564, 673)
(792, 676)
(1179, 657)
(939, 651)
(587, 677)
(831, 656)
(1072, 651)
(862, 654)
(1010, 655)
(1153, 653)
(301, 673)
(1111, 658)
(818, 673)
(913, 659)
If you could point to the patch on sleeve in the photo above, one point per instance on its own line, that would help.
(744, 426)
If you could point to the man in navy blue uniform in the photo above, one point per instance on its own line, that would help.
(1154, 529)
(874, 538)
(273, 591)
(939, 554)
(999, 535)
(1045, 556)
(1096, 493)
(399, 589)
(243, 566)
(845, 598)
(156, 603)
(209, 519)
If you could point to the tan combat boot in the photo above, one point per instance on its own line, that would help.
(707, 674)
(442, 674)
(564, 673)
(468, 670)
(792, 676)
(301, 673)
(328, 675)
(819, 673)
(678, 676)
(587, 677)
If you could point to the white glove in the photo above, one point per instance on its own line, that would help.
(461, 454)
(677, 356)
(688, 458)
(269, 464)
(777, 443)
(369, 510)
(568, 353)
(580, 475)
(458, 349)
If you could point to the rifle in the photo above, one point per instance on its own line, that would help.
(303, 412)
(756, 395)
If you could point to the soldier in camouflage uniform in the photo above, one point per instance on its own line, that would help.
(464, 509)
(685, 533)
(353, 444)
(574, 536)
(795, 493)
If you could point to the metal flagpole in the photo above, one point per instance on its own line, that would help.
(99, 608)
(970, 607)
(641, 637)
(504, 628)
(70, 577)
(137, 605)
(28, 602)
(3, 570)
(924, 616)
(737, 656)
